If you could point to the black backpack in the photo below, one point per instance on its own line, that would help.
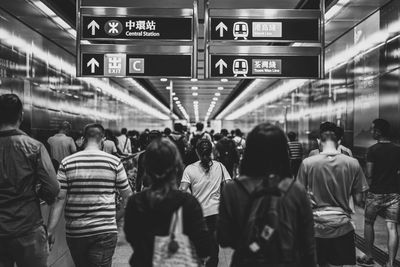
(180, 143)
(227, 153)
(261, 243)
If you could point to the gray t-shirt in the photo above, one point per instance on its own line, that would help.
(332, 178)
(61, 146)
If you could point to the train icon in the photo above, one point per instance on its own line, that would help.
(240, 67)
(240, 30)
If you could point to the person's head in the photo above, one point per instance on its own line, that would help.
(292, 136)
(153, 135)
(162, 164)
(108, 134)
(65, 127)
(178, 127)
(199, 126)
(232, 132)
(212, 132)
(266, 152)
(204, 150)
(328, 135)
(380, 129)
(93, 134)
(124, 131)
(224, 132)
(167, 131)
(238, 132)
(217, 137)
(11, 110)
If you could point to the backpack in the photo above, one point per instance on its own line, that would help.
(239, 146)
(180, 143)
(196, 138)
(261, 243)
(227, 153)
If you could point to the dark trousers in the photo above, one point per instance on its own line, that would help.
(295, 166)
(93, 251)
(211, 222)
(29, 250)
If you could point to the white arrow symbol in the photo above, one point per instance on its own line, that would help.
(221, 64)
(221, 27)
(94, 26)
(93, 63)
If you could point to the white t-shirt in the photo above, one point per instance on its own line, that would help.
(206, 187)
(109, 147)
(124, 144)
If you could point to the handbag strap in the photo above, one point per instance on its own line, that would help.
(223, 174)
(176, 226)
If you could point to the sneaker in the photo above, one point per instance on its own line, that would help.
(365, 261)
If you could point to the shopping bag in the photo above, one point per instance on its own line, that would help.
(176, 249)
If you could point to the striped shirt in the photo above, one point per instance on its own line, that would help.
(90, 179)
(295, 150)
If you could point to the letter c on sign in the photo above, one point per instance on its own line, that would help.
(135, 65)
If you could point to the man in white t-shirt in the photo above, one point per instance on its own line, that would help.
(206, 186)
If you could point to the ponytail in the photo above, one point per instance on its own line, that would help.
(204, 150)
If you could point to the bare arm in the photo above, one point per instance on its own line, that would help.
(125, 194)
(184, 186)
(55, 215)
(368, 171)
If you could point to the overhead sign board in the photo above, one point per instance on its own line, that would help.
(236, 29)
(135, 65)
(136, 28)
(264, 62)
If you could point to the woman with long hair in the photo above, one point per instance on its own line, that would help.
(149, 213)
(287, 238)
(205, 178)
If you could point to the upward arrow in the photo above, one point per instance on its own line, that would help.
(93, 25)
(221, 64)
(221, 27)
(93, 63)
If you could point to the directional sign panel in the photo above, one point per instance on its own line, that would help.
(264, 66)
(146, 28)
(264, 29)
(135, 65)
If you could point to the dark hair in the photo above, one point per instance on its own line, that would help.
(167, 131)
(224, 132)
(199, 126)
(238, 132)
(93, 130)
(65, 126)
(124, 131)
(327, 126)
(329, 136)
(162, 168)
(292, 136)
(178, 127)
(10, 109)
(153, 135)
(204, 150)
(144, 140)
(266, 152)
(217, 137)
(109, 134)
(383, 126)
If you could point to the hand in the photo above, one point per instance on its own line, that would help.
(51, 239)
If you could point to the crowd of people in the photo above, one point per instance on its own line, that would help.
(191, 193)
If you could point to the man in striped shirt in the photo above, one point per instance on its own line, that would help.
(89, 180)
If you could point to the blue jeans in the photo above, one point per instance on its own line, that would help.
(28, 250)
(93, 251)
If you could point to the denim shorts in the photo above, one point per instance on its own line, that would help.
(385, 205)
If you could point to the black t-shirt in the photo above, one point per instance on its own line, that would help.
(386, 159)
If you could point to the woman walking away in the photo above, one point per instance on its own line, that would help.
(265, 216)
(149, 213)
(205, 178)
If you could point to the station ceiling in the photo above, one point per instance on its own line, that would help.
(206, 89)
